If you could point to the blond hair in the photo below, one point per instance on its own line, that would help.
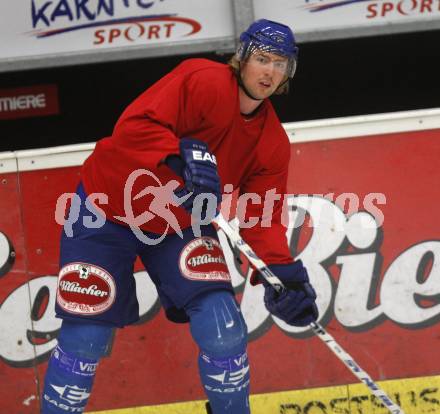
(234, 63)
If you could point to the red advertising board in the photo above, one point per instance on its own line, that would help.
(28, 102)
(370, 240)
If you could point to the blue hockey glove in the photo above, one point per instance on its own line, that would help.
(198, 168)
(296, 305)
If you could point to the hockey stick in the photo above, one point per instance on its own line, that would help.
(349, 362)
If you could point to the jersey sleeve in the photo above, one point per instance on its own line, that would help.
(268, 237)
(151, 126)
(148, 124)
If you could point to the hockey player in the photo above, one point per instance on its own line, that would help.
(204, 124)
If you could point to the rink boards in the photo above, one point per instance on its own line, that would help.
(370, 184)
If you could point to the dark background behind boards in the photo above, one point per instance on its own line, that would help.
(334, 78)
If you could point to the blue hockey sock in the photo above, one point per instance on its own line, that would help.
(72, 367)
(68, 383)
(226, 382)
(219, 329)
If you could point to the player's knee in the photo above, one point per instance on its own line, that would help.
(74, 361)
(84, 339)
(217, 324)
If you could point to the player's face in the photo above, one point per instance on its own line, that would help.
(263, 73)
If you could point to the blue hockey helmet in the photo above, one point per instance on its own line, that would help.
(271, 37)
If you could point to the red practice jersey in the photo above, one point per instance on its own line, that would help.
(198, 99)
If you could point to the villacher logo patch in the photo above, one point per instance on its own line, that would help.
(202, 259)
(85, 289)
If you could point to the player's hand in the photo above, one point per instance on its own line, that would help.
(198, 168)
(296, 305)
